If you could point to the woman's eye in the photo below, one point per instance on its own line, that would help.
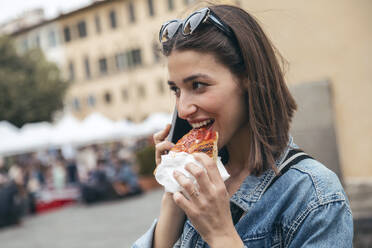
(175, 90)
(198, 85)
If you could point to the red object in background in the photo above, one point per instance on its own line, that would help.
(51, 199)
(42, 207)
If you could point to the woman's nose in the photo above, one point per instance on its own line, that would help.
(186, 107)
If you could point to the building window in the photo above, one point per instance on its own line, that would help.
(113, 19)
(151, 7)
(102, 66)
(97, 22)
(87, 68)
(107, 97)
(170, 5)
(141, 91)
(25, 44)
(161, 87)
(91, 101)
(71, 71)
(129, 59)
(136, 57)
(76, 104)
(52, 41)
(37, 41)
(132, 16)
(156, 51)
(121, 61)
(187, 2)
(82, 29)
(125, 95)
(67, 34)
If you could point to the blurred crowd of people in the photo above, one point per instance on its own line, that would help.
(97, 172)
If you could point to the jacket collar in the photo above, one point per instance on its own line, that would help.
(253, 187)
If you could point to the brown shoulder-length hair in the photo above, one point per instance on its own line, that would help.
(251, 57)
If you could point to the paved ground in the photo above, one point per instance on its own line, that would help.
(120, 223)
(114, 224)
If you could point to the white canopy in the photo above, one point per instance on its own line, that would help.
(154, 122)
(69, 131)
(34, 136)
(66, 131)
(96, 127)
(8, 134)
(7, 129)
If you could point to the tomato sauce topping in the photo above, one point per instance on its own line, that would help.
(195, 139)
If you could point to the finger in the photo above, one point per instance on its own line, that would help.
(201, 177)
(161, 149)
(161, 135)
(164, 146)
(182, 202)
(185, 183)
(211, 167)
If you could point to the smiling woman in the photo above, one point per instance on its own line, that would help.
(225, 75)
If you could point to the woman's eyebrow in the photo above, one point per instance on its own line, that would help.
(195, 76)
(191, 78)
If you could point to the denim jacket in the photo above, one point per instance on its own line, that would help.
(305, 207)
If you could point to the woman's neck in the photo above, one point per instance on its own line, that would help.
(238, 149)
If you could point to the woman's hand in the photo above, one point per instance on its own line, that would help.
(162, 146)
(208, 206)
(171, 218)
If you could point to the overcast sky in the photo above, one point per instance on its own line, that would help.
(10, 9)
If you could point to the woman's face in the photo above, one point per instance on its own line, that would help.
(206, 92)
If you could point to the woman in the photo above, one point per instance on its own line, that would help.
(223, 70)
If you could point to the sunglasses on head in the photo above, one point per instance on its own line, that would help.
(170, 28)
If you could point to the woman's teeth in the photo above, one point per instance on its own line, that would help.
(201, 124)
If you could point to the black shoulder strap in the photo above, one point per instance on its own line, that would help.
(293, 157)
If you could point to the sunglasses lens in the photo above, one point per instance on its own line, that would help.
(169, 30)
(193, 22)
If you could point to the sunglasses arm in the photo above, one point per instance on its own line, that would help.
(221, 26)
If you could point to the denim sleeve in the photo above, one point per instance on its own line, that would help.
(325, 225)
(145, 241)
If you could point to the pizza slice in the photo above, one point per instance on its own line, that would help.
(198, 140)
(201, 139)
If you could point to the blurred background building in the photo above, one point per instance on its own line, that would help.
(109, 50)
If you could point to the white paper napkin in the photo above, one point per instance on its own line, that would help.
(177, 161)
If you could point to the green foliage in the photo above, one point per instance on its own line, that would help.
(31, 88)
(146, 160)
